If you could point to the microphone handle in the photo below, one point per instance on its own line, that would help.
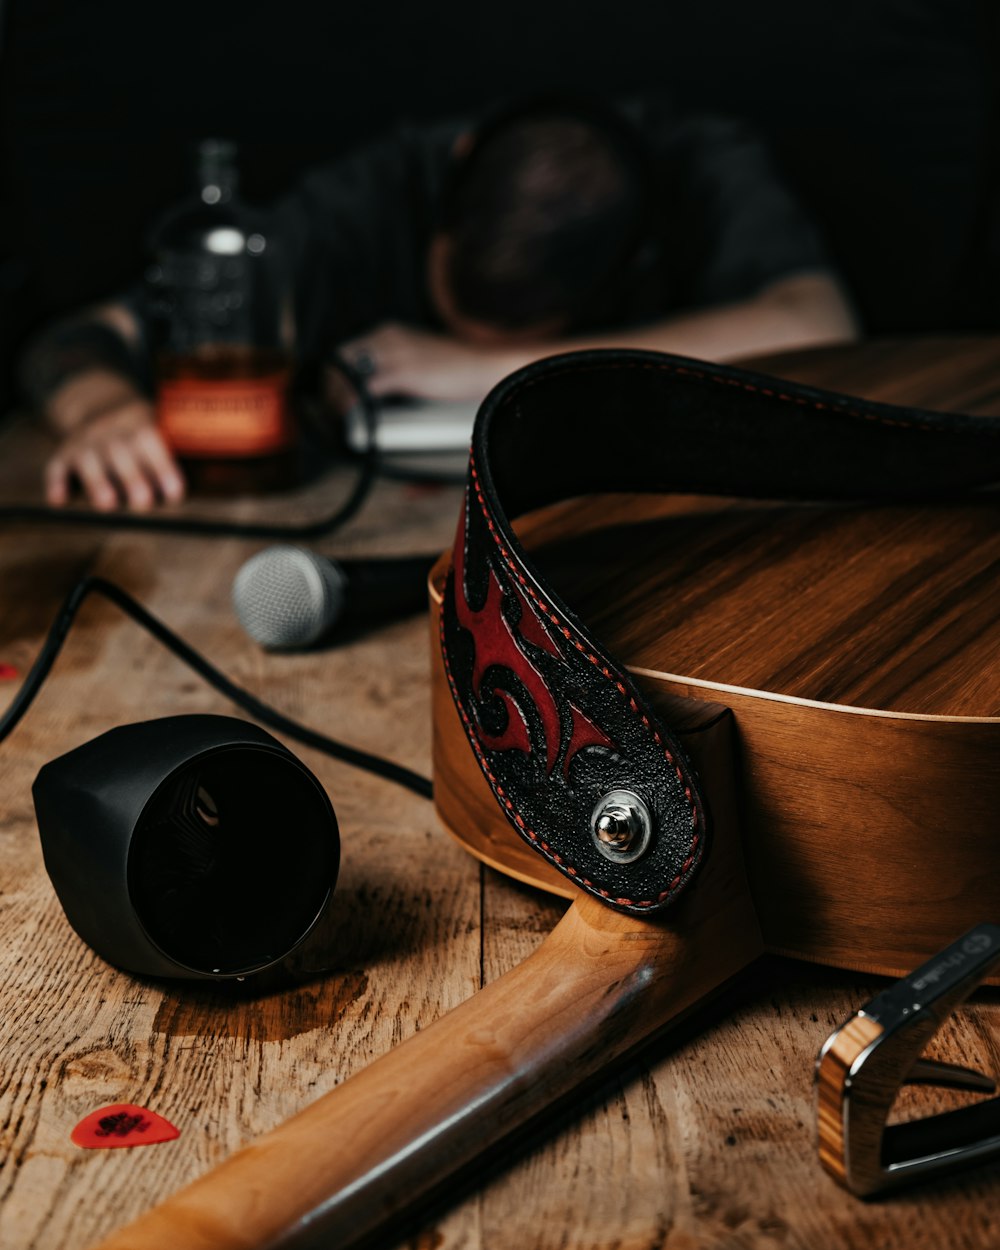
(385, 587)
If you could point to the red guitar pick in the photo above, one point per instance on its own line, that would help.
(122, 1125)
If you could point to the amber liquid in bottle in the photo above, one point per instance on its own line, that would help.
(225, 410)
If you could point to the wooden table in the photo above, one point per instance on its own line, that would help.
(708, 1141)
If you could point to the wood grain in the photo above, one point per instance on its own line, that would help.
(708, 1142)
(74, 1033)
(833, 1089)
(888, 607)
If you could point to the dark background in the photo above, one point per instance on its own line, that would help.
(882, 113)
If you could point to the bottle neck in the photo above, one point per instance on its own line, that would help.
(218, 178)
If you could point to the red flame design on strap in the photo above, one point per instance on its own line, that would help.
(496, 643)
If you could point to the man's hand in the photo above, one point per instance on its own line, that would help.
(401, 360)
(110, 445)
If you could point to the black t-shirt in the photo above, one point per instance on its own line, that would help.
(730, 224)
(356, 231)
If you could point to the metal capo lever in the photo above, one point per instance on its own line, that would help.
(862, 1065)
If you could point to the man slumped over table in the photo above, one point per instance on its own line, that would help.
(442, 258)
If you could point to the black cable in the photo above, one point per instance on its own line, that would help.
(202, 526)
(185, 652)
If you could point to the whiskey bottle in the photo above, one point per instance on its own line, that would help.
(222, 330)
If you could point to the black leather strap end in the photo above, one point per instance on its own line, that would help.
(556, 726)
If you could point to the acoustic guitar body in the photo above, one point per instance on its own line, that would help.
(858, 651)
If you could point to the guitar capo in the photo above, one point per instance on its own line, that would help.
(862, 1065)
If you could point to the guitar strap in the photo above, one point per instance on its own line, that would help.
(584, 770)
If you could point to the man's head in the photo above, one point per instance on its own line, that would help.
(545, 207)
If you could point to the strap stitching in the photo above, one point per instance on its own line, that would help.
(752, 387)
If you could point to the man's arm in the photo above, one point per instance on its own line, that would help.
(80, 376)
(801, 310)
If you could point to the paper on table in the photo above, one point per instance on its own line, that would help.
(415, 426)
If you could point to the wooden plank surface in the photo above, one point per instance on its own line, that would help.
(707, 1142)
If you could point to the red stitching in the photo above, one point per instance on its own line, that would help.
(556, 620)
(668, 754)
(753, 388)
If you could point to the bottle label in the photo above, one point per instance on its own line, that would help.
(229, 417)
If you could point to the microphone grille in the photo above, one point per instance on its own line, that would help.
(288, 597)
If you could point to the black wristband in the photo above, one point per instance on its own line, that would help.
(69, 348)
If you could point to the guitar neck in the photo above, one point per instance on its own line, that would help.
(598, 986)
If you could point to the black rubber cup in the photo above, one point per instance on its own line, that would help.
(192, 846)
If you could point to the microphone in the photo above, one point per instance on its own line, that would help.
(288, 597)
